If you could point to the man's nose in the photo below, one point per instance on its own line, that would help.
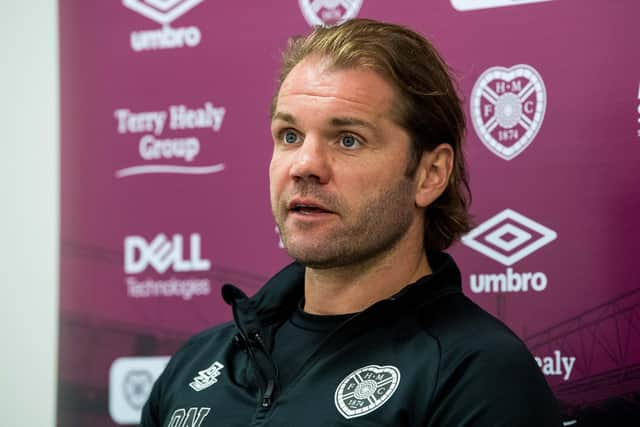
(312, 161)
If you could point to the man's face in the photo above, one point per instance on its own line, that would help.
(339, 192)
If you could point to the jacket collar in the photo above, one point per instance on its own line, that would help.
(281, 294)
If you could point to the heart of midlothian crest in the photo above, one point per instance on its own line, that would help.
(366, 389)
(329, 12)
(137, 386)
(507, 108)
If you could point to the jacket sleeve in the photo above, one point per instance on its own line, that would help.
(150, 416)
(496, 386)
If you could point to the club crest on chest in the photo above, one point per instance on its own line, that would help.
(366, 389)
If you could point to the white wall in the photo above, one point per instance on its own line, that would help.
(29, 212)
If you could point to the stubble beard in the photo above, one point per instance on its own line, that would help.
(376, 227)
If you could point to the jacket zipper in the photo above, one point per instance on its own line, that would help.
(267, 396)
(252, 340)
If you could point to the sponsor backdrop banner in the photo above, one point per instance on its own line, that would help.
(166, 145)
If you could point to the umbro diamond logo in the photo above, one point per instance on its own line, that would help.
(164, 12)
(207, 377)
(508, 237)
(161, 11)
(366, 389)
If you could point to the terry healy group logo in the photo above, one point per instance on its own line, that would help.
(556, 365)
(485, 4)
(163, 12)
(329, 12)
(161, 255)
(507, 238)
(507, 108)
(155, 151)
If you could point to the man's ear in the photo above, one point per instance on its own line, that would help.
(433, 174)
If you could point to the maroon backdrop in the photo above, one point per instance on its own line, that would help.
(166, 144)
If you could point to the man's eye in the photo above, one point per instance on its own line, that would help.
(290, 137)
(349, 141)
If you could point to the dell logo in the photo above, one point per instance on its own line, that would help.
(162, 254)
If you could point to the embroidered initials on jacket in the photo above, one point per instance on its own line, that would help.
(193, 417)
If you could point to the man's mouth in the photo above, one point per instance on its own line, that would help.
(307, 208)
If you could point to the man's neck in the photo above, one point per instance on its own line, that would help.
(353, 288)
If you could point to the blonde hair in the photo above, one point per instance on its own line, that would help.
(428, 105)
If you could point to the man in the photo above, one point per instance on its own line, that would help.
(369, 326)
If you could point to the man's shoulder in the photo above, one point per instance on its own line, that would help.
(216, 332)
(456, 322)
(210, 336)
(454, 319)
(484, 368)
(198, 346)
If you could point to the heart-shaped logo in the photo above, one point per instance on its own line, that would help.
(366, 389)
(136, 387)
(329, 12)
(507, 108)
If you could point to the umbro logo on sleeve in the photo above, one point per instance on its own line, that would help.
(207, 377)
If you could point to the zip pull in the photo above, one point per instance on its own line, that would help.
(258, 338)
(240, 342)
(266, 397)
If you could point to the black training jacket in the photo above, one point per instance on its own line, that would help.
(428, 356)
